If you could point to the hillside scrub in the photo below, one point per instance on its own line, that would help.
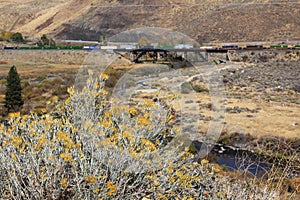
(90, 147)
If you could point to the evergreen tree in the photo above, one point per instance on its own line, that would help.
(17, 37)
(13, 95)
(45, 40)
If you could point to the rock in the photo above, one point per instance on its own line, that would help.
(297, 88)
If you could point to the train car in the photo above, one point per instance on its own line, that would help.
(229, 47)
(34, 48)
(146, 47)
(64, 47)
(254, 47)
(184, 46)
(127, 46)
(207, 48)
(90, 48)
(25, 48)
(77, 47)
(108, 47)
(10, 48)
(278, 46)
(50, 47)
(164, 47)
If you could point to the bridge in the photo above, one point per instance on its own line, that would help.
(164, 55)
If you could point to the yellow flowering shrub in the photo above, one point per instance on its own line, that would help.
(64, 182)
(91, 179)
(15, 114)
(16, 141)
(66, 157)
(142, 121)
(112, 188)
(91, 148)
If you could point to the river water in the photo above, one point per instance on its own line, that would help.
(242, 161)
(237, 160)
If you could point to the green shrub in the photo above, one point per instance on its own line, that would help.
(199, 88)
(186, 88)
(244, 58)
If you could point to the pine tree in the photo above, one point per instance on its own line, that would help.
(17, 37)
(13, 95)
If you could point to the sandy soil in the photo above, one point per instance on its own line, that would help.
(271, 118)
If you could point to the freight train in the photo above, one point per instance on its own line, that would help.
(166, 47)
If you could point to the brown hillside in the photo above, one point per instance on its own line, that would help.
(209, 20)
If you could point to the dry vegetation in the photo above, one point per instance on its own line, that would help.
(90, 148)
(69, 144)
(267, 118)
(44, 74)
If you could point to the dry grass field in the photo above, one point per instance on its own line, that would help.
(270, 119)
(250, 113)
